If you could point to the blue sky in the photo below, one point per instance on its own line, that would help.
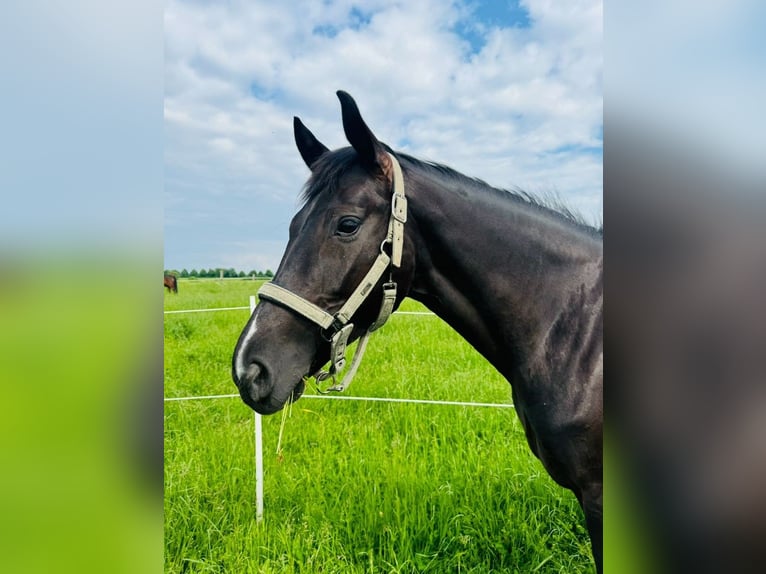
(510, 92)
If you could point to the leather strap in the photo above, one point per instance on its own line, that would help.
(301, 306)
(398, 215)
(386, 307)
(364, 288)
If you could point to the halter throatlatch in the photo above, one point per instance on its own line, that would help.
(337, 328)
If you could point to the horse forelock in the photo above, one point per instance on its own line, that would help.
(327, 172)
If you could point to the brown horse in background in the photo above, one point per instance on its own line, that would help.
(171, 283)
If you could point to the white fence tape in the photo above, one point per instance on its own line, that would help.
(243, 308)
(204, 310)
(370, 399)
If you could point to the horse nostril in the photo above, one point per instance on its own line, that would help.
(252, 372)
(254, 383)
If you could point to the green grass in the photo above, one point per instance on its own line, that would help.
(358, 486)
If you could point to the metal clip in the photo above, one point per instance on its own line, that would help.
(322, 376)
(338, 347)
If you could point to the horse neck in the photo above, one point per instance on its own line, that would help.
(497, 269)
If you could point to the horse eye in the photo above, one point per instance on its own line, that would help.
(348, 226)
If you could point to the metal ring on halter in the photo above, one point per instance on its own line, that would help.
(320, 377)
(383, 243)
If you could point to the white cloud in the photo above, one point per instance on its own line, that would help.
(525, 109)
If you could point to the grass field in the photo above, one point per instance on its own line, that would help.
(358, 487)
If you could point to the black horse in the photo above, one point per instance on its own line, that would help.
(171, 283)
(520, 281)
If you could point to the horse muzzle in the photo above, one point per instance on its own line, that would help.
(257, 389)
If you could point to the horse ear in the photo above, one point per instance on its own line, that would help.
(311, 148)
(370, 150)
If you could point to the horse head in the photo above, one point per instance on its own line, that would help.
(348, 231)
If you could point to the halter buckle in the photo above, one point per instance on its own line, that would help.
(399, 208)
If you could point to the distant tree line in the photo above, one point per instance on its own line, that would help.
(231, 272)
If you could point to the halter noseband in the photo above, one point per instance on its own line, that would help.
(338, 326)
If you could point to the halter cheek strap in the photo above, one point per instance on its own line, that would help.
(339, 323)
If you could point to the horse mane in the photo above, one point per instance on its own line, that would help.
(331, 167)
